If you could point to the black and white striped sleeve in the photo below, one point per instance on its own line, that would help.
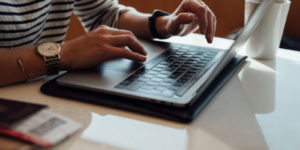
(93, 13)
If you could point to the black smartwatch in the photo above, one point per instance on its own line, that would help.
(152, 20)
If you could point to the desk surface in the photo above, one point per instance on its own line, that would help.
(257, 109)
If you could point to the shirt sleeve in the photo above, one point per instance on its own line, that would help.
(93, 13)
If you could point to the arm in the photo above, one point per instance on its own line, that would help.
(102, 44)
(188, 17)
(11, 69)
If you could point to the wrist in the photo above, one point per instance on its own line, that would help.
(64, 58)
(157, 24)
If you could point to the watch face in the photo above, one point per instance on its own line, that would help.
(48, 49)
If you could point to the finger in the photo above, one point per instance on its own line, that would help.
(180, 20)
(114, 31)
(201, 11)
(125, 53)
(191, 27)
(215, 25)
(210, 28)
(127, 40)
(184, 18)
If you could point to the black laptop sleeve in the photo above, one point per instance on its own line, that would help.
(184, 115)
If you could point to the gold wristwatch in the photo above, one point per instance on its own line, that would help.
(50, 52)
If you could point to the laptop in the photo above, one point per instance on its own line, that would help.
(175, 74)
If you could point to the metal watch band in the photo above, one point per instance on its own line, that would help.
(152, 21)
(52, 64)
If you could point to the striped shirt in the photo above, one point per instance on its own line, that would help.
(30, 22)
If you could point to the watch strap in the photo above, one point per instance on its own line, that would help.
(52, 64)
(152, 22)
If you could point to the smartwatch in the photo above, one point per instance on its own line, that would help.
(152, 21)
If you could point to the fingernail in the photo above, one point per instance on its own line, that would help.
(144, 59)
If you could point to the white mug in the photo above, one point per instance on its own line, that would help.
(265, 41)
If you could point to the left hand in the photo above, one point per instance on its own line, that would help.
(188, 17)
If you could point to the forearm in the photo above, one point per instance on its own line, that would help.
(19, 64)
(138, 23)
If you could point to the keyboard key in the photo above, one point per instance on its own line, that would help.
(157, 69)
(126, 82)
(143, 79)
(135, 85)
(175, 55)
(168, 80)
(147, 87)
(149, 76)
(157, 79)
(174, 46)
(152, 72)
(161, 76)
(121, 86)
(168, 93)
(166, 72)
(160, 88)
(152, 83)
(185, 47)
(164, 84)
(175, 75)
(203, 50)
(181, 70)
(185, 67)
(154, 92)
(194, 70)
(178, 84)
(198, 66)
(179, 53)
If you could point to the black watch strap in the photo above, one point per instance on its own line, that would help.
(152, 21)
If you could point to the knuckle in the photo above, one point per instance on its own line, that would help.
(129, 38)
(103, 29)
(102, 37)
(102, 26)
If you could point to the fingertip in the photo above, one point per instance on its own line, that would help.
(209, 38)
(190, 16)
(144, 52)
(143, 58)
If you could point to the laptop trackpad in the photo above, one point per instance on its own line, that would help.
(106, 75)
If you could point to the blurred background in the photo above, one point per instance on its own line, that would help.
(230, 16)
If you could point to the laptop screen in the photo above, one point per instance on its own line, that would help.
(240, 40)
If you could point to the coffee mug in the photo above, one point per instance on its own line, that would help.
(265, 41)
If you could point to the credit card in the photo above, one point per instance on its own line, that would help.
(43, 129)
(11, 111)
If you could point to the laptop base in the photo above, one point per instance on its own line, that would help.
(184, 114)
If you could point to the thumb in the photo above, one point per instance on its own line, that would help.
(180, 20)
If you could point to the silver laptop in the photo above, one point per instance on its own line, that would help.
(175, 74)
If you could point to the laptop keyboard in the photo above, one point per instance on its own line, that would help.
(173, 72)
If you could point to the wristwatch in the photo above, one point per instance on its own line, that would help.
(50, 52)
(152, 20)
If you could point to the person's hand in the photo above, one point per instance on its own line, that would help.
(101, 44)
(189, 15)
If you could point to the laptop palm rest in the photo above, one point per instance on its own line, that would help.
(108, 74)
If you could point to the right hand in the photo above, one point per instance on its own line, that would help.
(99, 45)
